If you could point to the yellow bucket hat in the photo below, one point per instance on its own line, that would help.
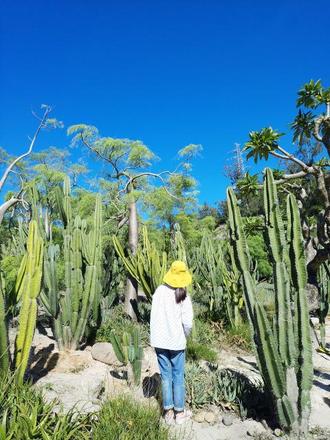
(178, 275)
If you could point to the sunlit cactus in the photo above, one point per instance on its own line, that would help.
(79, 304)
(28, 288)
(284, 348)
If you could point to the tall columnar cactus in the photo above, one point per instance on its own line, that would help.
(217, 279)
(284, 349)
(4, 347)
(147, 266)
(324, 289)
(28, 287)
(79, 303)
(129, 351)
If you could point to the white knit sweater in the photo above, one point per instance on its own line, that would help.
(170, 323)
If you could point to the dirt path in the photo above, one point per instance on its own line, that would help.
(77, 380)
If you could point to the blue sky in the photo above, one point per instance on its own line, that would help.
(167, 72)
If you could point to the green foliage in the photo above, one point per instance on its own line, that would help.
(216, 280)
(81, 248)
(117, 321)
(197, 351)
(283, 346)
(239, 337)
(147, 266)
(24, 416)
(248, 184)
(259, 256)
(262, 143)
(129, 351)
(124, 419)
(324, 289)
(225, 388)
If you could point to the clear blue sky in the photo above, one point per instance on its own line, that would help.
(167, 72)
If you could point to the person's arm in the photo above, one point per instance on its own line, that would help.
(187, 316)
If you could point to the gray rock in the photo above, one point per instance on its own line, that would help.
(199, 417)
(312, 297)
(278, 432)
(104, 352)
(227, 419)
(210, 418)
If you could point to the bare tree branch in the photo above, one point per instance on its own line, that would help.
(28, 152)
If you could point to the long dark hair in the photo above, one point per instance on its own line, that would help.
(180, 294)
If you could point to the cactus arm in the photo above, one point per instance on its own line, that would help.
(303, 336)
(279, 254)
(32, 287)
(4, 345)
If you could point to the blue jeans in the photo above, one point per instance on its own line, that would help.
(171, 365)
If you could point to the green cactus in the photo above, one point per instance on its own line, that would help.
(324, 289)
(79, 303)
(284, 348)
(4, 346)
(28, 287)
(129, 352)
(148, 267)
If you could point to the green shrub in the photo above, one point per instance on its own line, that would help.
(118, 322)
(225, 388)
(205, 333)
(196, 351)
(125, 419)
(24, 416)
(239, 337)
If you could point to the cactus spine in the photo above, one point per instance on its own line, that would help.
(28, 287)
(284, 350)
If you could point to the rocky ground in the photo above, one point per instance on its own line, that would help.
(82, 379)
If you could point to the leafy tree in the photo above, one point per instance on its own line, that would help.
(128, 172)
(308, 177)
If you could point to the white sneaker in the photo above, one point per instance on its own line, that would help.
(169, 417)
(183, 416)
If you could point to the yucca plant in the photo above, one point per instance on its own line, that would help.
(283, 347)
(148, 266)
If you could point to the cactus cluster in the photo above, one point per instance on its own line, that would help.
(129, 351)
(324, 289)
(147, 266)
(216, 275)
(283, 347)
(79, 303)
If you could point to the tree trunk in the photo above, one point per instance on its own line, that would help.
(131, 298)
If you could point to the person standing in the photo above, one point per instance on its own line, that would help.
(170, 324)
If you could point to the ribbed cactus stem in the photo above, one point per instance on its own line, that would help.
(284, 349)
(28, 289)
(279, 253)
(4, 345)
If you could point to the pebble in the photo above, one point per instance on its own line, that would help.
(278, 432)
(210, 418)
(199, 417)
(227, 420)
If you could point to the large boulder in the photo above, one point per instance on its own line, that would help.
(104, 352)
